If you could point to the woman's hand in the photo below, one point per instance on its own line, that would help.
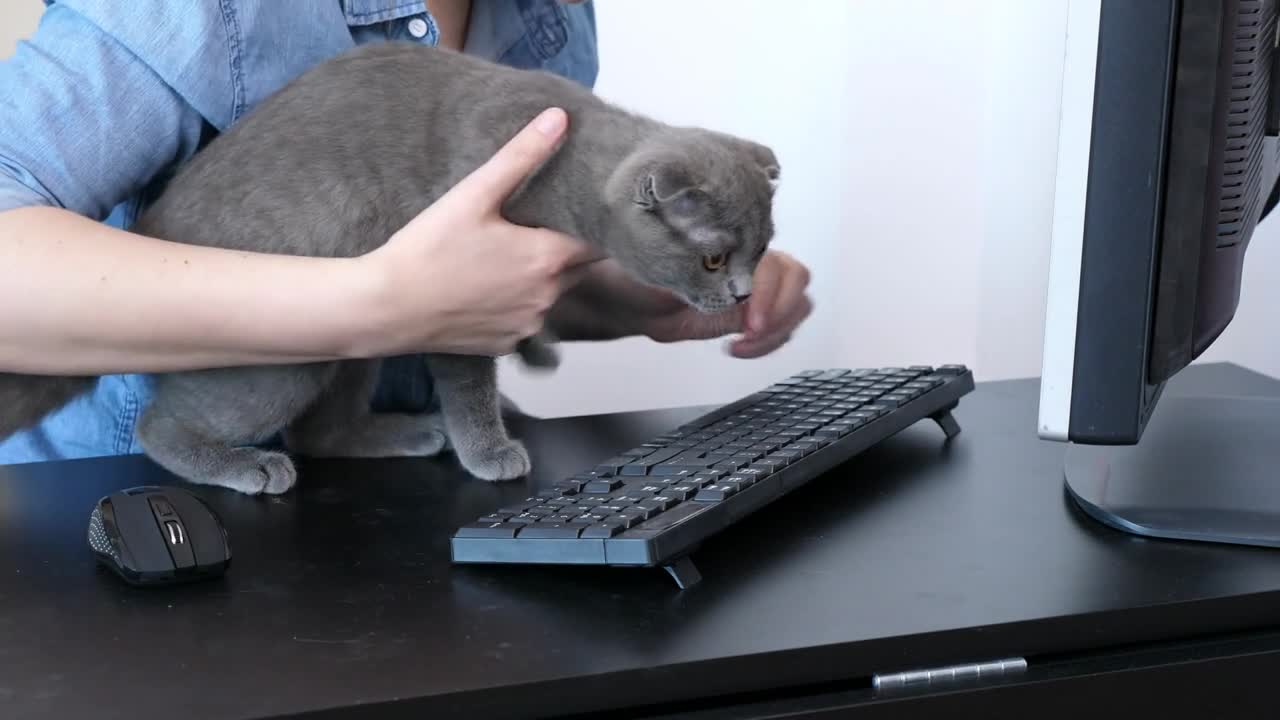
(609, 304)
(461, 279)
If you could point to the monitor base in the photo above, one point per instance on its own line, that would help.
(1207, 469)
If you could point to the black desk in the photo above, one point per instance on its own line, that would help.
(341, 595)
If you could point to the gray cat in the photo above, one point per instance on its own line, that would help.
(348, 153)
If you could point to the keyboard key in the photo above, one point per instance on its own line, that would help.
(630, 498)
(651, 506)
(844, 428)
(683, 491)
(604, 530)
(625, 521)
(641, 466)
(766, 448)
(715, 493)
(742, 481)
(600, 487)
(781, 461)
(686, 463)
(894, 399)
(788, 455)
(951, 370)
(613, 466)
(549, 530)
(487, 530)
(727, 465)
(664, 502)
(770, 465)
(635, 513)
(803, 449)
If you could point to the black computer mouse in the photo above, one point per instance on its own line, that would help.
(158, 536)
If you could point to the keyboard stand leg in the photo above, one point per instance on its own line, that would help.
(947, 421)
(683, 572)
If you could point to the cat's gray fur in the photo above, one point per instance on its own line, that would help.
(342, 158)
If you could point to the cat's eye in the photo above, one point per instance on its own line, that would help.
(714, 262)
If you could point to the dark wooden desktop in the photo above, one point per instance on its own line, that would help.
(341, 600)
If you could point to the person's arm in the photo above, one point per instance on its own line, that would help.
(79, 297)
(84, 124)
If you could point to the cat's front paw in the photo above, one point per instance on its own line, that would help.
(507, 461)
(277, 472)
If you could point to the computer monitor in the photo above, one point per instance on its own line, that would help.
(1167, 161)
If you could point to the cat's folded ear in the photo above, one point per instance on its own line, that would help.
(767, 161)
(669, 186)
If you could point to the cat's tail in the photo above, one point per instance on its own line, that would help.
(26, 399)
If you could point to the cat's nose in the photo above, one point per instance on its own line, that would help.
(741, 298)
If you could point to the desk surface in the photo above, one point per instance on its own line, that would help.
(341, 594)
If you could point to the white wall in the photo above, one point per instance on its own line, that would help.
(17, 19)
(918, 144)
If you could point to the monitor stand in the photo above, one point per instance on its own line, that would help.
(1207, 469)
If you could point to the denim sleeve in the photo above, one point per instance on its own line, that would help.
(84, 123)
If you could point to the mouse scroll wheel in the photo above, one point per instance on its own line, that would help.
(173, 531)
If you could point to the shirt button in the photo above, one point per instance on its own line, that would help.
(418, 27)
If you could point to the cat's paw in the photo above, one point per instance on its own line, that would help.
(427, 444)
(276, 472)
(507, 461)
(255, 472)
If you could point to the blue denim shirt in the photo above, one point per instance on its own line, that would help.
(107, 97)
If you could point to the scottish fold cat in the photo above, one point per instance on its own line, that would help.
(341, 158)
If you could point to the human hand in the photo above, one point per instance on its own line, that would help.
(610, 299)
(459, 278)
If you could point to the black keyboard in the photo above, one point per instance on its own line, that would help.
(651, 505)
